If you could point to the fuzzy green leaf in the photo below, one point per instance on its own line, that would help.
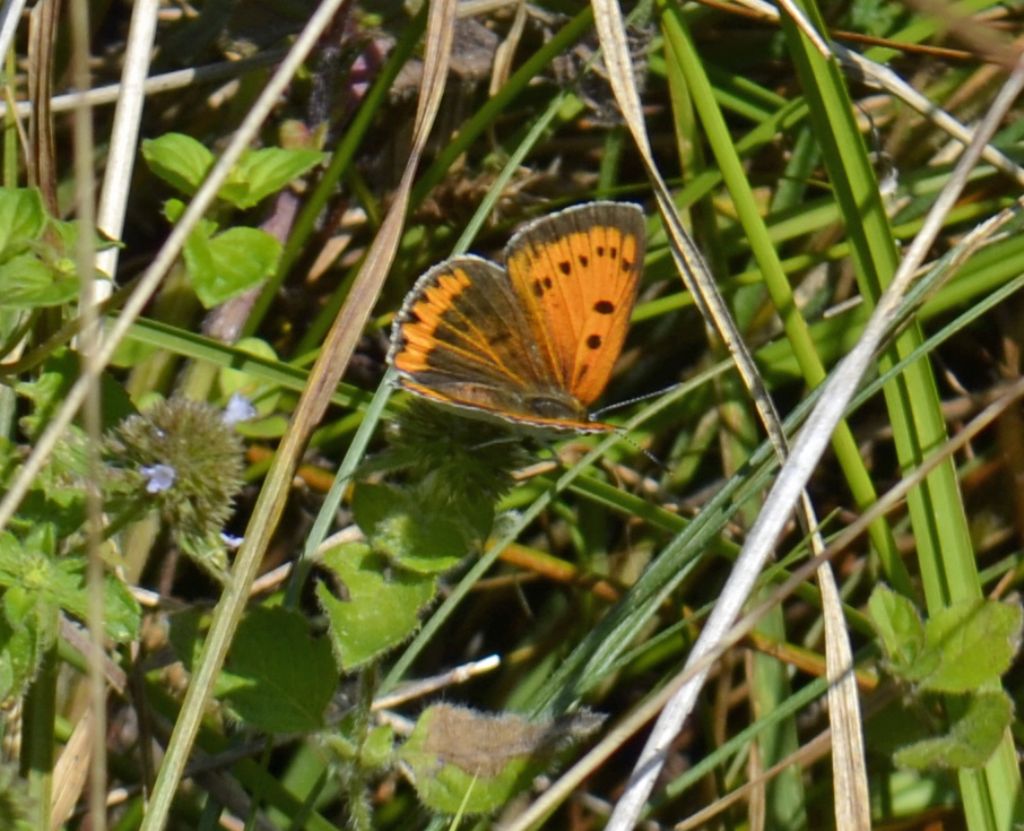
(277, 676)
(901, 631)
(179, 160)
(61, 583)
(382, 606)
(29, 621)
(464, 761)
(21, 644)
(224, 266)
(971, 741)
(378, 749)
(975, 643)
(420, 536)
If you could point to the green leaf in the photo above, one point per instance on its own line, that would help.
(179, 160)
(57, 496)
(971, 741)
(60, 371)
(464, 761)
(260, 173)
(383, 605)
(26, 282)
(29, 621)
(900, 629)
(271, 427)
(420, 536)
(28, 628)
(173, 210)
(228, 264)
(66, 586)
(47, 581)
(22, 219)
(278, 677)
(376, 752)
(975, 642)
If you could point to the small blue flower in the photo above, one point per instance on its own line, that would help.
(159, 477)
(231, 541)
(239, 408)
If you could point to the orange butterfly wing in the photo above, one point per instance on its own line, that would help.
(463, 338)
(577, 272)
(534, 344)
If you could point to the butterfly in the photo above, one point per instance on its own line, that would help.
(532, 344)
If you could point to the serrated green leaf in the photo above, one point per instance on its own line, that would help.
(60, 583)
(29, 628)
(121, 613)
(383, 605)
(463, 761)
(278, 677)
(19, 654)
(30, 616)
(26, 282)
(423, 538)
(970, 743)
(900, 629)
(259, 173)
(179, 160)
(975, 642)
(22, 219)
(228, 264)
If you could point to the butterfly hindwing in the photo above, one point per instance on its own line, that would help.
(578, 272)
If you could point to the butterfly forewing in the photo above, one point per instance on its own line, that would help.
(577, 273)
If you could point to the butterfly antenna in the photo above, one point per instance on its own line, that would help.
(622, 434)
(618, 405)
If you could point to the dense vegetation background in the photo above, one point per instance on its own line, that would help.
(454, 623)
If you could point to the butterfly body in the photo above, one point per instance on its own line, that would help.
(533, 343)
